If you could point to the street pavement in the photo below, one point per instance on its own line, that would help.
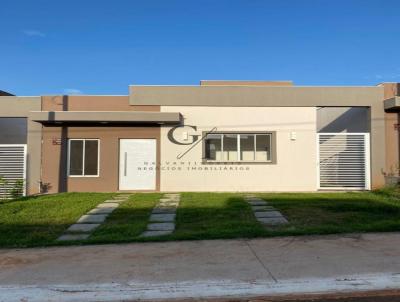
(202, 269)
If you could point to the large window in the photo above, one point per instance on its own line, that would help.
(83, 157)
(234, 147)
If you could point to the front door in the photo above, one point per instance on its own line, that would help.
(136, 164)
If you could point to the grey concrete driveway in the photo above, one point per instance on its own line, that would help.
(218, 268)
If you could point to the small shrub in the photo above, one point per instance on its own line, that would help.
(3, 184)
(17, 189)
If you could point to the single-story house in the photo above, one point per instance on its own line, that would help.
(217, 136)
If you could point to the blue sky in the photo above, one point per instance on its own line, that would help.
(100, 47)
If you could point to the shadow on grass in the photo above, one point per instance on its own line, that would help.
(330, 213)
(30, 235)
(215, 217)
(40, 220)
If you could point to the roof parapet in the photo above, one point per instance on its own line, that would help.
(244, 83)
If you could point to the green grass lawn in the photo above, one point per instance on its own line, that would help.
(39, 220)
(227, 215)
(330, 213)
(215, 215)
(199, 216)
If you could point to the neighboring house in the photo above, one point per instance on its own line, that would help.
(218, 136)
(5, 93)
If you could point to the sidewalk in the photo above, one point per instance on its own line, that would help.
(219, 268)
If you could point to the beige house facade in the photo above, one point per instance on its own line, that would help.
(245, 172)
(233, 136)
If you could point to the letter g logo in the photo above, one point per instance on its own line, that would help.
(177, 135)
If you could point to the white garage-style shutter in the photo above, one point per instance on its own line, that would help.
(12, 170)
(344, 161)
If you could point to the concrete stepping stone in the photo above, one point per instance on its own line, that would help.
(255, 199)
(155, 233)
(164, 210)
(162, 217)
(119, 199)
(114, 201)
(162, 226)
(258, 202)
(175, 198)
(91, 220)
(99, 218)
(168, 200)
(169, 203)
(73, 237)
(262, 208)
(264, 213)
(273, 220)
(268, 214)
(83, 227)
(108, 205)
(103, 210)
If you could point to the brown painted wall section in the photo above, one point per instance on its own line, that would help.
(91, 103)
(54, 155)
(391, 131)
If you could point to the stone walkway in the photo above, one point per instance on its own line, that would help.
(91, 220)
(162, 218)
(265, 214)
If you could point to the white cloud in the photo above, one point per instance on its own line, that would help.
(33, 33)
(71, 91)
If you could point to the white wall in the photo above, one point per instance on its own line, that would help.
(295, 168)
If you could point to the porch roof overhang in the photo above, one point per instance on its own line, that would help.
(392, 104)
(105, 117)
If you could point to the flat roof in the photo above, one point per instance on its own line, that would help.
(255, 96)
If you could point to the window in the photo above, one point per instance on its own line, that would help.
(13, 130)
(230, 147)
(213, 147)
(83, 157)
(234, 147)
